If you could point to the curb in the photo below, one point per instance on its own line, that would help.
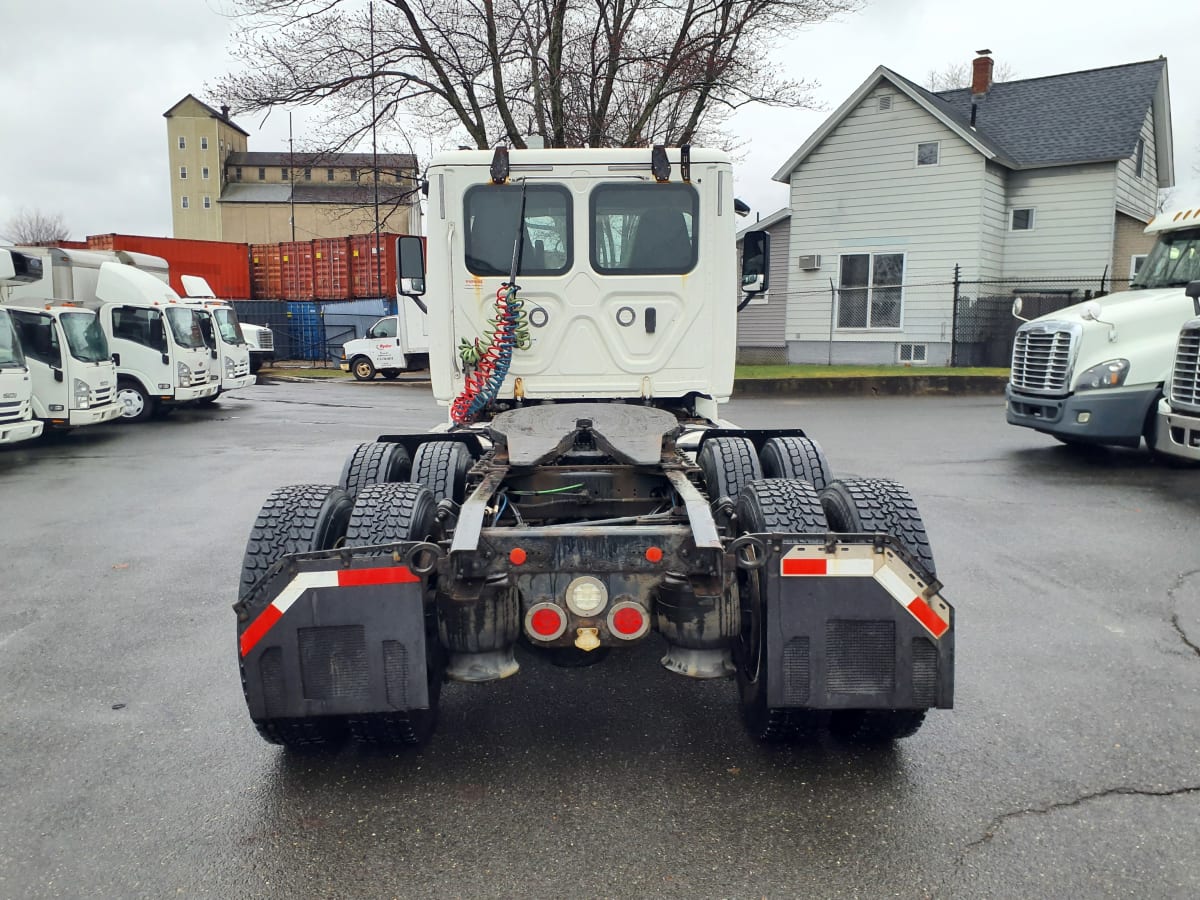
(865, 386)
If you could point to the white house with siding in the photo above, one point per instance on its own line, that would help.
(762, 323)
(1041, 178)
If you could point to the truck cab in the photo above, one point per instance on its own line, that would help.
(227, 346)
(16, 390)
(385, 350)
(1093, 373)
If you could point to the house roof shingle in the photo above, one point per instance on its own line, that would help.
(1090, 116)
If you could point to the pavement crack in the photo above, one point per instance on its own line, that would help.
(1175, 623)
(999, 821)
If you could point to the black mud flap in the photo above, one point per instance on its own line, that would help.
(334, 633)
(852, 625)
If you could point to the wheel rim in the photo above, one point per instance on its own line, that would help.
(363, 369)
(750, 633)
(132, 401)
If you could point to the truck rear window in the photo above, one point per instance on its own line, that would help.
(493, 215)
(644, 229)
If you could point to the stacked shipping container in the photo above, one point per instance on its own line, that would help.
(221, 264)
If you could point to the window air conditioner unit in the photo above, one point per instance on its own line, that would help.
(810, 263)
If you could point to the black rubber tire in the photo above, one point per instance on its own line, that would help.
(788, 506)
(795, 457)
(362, 368)
(878, 505)
(296, 519)
(876, 726)
(299, 518)
(442, 466)
(255, 365)
(386, 514)
(390, 374)
(391, 513)
(375, 462)
(728, 464)
(143, 404)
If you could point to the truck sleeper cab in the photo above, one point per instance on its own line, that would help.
(1093, 373)
(16, 390)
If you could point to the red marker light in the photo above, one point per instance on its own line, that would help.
(545, 622)
(517, 556)
(654, 554)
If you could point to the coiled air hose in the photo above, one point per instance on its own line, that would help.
(487, 367)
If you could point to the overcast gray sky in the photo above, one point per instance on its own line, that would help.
(84, 83)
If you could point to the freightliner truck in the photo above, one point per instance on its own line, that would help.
(71, 373)
(1093, 373)
(585, 495)
(1177, 257)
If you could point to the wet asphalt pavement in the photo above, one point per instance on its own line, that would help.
(128, 766)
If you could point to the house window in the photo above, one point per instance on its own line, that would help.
(182, 173)
(184, 202)
(1135, 264)
(308, 174)
(204, 173)
(262, 174)
(283, 173)
(182, 142)
(871, 290)
(1022, 220)
(1139, 158)
(203, 143)
(885, 102)
(237, 174)
(207, 202)
(928, 153)
(329, 174)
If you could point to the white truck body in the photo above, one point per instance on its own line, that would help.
(155, 338)
(223, 335)
(16, 388)
(1178, 255)
(393, 344)
(1093, 372)
(70, 370)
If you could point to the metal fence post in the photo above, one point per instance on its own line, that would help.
(954, 319)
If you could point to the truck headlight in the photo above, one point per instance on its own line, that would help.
(82, 394)
(230, 368)
(185, 374)
(1110, 373)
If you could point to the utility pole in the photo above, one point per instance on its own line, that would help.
(375, 158)
(291, 178)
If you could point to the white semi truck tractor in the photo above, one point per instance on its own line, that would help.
(155, 339)
(1093, 373)
(1177, 257)
(71, 373)
(585, 496)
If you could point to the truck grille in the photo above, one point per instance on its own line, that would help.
(101, 396)
(266, 340)
(10, 411)
(1041, 360)
(1185, 376)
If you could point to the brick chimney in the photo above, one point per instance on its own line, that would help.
(981, 73)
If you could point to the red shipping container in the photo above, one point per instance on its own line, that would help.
(371, 276)
(266, 272)
(296, 263)
(221, 263)
(331, 268)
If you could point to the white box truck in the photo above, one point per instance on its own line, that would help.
(1093, 373)
(71, 372)
(227, 345)
(393, 344)
(16, 389)
(155, 339)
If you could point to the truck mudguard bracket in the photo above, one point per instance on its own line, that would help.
(335, 633)
(852, 625)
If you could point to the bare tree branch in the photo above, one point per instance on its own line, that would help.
(32, 226)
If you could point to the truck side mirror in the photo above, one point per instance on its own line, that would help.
(410, 265)
(1193, 291)
(756, 263)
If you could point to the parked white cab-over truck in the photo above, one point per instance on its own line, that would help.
(585, 495)
(1093, 373)
(393, 344)
(154, 338)
(227, 346)
(71, 375)
(16, 390)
